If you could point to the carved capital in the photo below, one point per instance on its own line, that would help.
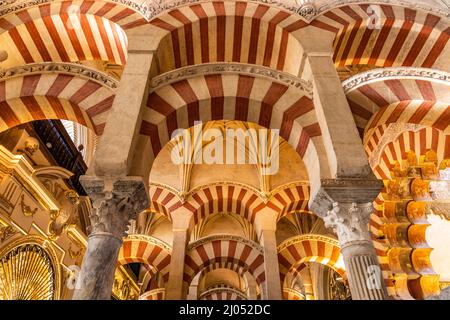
(344, 190)
(115, 202)
(349, 221)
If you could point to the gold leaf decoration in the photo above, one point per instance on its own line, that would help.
(26, 273)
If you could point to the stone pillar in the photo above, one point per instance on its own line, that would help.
(272, 288)
(176, 288)
(307, 283)
(350, 223)
(346, 205)
(266, 221)
(117, 145)
(115, 203)
(345, 152)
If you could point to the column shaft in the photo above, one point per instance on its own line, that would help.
(350, 222)
(344, 148)
(97, 272)
(116, 148)
(176, 288)
(115, 203)
(272, 287)
(363, 272)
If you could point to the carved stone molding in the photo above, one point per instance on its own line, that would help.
(231, 68)
(219, 289)
(306, 237)
(307, 9)
(422, 5)
(350, 222)
(225, 237)
(389, 135)
(115, 202)
(345, 190)
(186, 196)
(152, 240)
(60, 67)
(381, 74)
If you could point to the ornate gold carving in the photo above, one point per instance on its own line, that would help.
(5, 203)
(6, 232)
(72, 253)
(26, 210)
(27, 273)
(338, 289)
(124, 288)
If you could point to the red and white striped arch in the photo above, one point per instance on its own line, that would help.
(113, 11)
(222, 293)
(417, 141)
(291, 294)
(156, 294)
(233, 198)
(240, 97)
(407, 100)
(152, 252)
(402, 36)
(54, 96)
(224, 251)
(229, 31)
(295, 251)
(381, 247)
(48, 33)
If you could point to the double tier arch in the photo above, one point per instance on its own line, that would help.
(387, 35)
(229, 31)
(67, 31)
(294, 252)
(224, 251)
(229, 197)
(279, 102)
(150, 251)
(55, 91)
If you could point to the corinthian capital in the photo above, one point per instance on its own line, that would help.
(114, 203)
(349, 221)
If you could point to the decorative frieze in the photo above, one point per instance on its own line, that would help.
(225, 237)
(6, 232)
(307, 9)
(380, 74)
(389, 135)
(307, 237)
(157, 242)
(60, 67)
(233, 68)
(422, 5)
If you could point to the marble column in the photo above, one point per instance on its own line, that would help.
(350, 223)
(176, 288)
(115, 203)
